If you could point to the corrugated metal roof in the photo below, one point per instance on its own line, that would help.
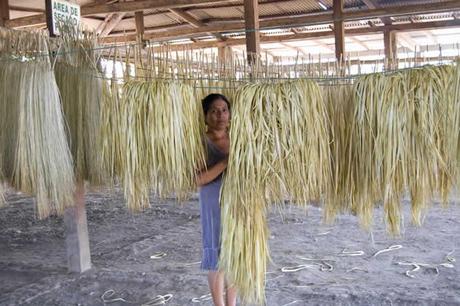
(228, 12)
(324, 46)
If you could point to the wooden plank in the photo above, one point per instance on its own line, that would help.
(25, 9)
(141, 5)
(194, 22)
(4, 12)
(76, 231)
(110, 23)
(251, 20)
(224, 53)
(389, 41)
(139, 16)
(339, 30)
(27, 21)
(140, 28)
(187, 17)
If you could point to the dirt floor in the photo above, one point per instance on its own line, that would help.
(323, 265)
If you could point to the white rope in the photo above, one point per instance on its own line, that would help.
(158, 255)
(296, 268)
(106, 297)
(416, 265)
(351, 253)
(202, 298)
(291, 303)
(159, 300)
(389, 249)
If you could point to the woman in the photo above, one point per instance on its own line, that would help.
(217, 117)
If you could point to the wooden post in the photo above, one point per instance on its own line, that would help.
(76, 229)
(389, 41)
(339, 30)
(140, 28)
(224, 53)
(49, 18)
(4, 12)
(251, 19)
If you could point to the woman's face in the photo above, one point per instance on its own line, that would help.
(218, 115)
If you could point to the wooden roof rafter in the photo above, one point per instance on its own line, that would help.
(311, 19)
(325, 34)
(187, 17)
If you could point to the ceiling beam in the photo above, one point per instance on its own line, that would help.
(117, 7)
(194, 22)
(315, 19)
(324, 34)
(110, 23)
(26, 9)
(4, 12)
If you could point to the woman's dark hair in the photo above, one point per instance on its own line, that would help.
(207, 102)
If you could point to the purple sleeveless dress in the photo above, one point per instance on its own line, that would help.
(210, 211)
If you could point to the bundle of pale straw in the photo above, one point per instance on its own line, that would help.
(35, 157)
(279, 149)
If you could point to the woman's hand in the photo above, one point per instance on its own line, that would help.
(210, 174)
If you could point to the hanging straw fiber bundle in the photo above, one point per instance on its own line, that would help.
(339, 101)
(405, 137)
(111, 129)
(162, 140)
(80, 84)
(35, 157)
(279, 150)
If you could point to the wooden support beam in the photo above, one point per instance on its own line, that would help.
(339, 30)
(139, 16)
(110, 23)
(76, 231)
(310, 35)
(4, 12)
(140, 28)
(389, 40)
(26, 9)
(224, 53)
(194, 22)
(187, 17)
(251, 19)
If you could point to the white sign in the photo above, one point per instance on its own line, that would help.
(64, 12)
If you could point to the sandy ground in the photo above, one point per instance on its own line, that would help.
(33, 263)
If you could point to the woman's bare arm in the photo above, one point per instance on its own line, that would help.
(208, 175)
